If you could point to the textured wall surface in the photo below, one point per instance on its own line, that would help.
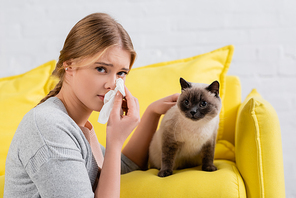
(262, 31)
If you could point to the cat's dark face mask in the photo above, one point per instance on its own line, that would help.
(193, 107)
(197, 103)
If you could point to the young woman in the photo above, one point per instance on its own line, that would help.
(55, 152)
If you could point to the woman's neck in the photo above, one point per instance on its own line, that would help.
(75, 108)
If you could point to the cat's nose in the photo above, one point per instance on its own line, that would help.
(193, 113)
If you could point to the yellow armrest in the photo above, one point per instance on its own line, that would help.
(258, 149)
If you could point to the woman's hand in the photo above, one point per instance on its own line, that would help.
(120, 126)
(161, 106)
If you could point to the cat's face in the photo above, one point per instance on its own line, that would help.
(198, 101)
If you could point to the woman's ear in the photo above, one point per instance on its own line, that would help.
(68, 66)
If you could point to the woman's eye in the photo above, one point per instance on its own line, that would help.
(122, 74)
(101, 69)
(203, 103)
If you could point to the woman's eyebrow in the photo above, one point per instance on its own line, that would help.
(125, 69)
(106, 64)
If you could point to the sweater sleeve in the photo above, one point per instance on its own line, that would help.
(60, 163)
(49, 156)
(59, 172)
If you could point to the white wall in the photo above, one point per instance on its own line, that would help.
(262, 31)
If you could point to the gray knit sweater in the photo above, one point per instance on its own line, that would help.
(50, 157)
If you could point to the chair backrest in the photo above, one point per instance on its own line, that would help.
(231, 104)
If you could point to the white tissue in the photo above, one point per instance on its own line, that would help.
(109, 101)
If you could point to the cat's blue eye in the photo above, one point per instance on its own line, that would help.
(101, 69)
(203, 103)
(186, 102)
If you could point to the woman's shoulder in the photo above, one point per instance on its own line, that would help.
(52, 119)
(50, 108)
(50, 122)
(47, 129)
(52, 113)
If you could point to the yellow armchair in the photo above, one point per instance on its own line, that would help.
(251, 133)
(248, 153)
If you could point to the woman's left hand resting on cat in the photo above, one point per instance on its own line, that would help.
(138, 146)
(161, 106)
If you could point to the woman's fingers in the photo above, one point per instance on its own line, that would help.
(175, 97)
(130, 106)
(132, 103)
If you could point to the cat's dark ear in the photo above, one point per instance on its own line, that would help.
(184, 84)
(214, 88)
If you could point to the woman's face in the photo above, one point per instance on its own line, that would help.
(90, 83)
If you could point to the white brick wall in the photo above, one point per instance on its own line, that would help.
(262, 31)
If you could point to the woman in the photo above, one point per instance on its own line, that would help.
(55, 152)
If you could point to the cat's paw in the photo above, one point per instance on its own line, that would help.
(209, 167)
(165, 173)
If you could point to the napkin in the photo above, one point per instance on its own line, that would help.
(109, 101)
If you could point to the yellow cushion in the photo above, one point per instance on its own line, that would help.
(193, 182)
(258, 148)
(156, 81)
(19, 94)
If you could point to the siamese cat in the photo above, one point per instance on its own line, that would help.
(187, 134)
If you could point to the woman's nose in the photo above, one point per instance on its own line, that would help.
(111, 83)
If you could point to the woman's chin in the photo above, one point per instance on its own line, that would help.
(98, 109)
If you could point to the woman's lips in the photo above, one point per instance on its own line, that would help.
(101, 97)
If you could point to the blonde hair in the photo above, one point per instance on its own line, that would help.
(91, 35)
